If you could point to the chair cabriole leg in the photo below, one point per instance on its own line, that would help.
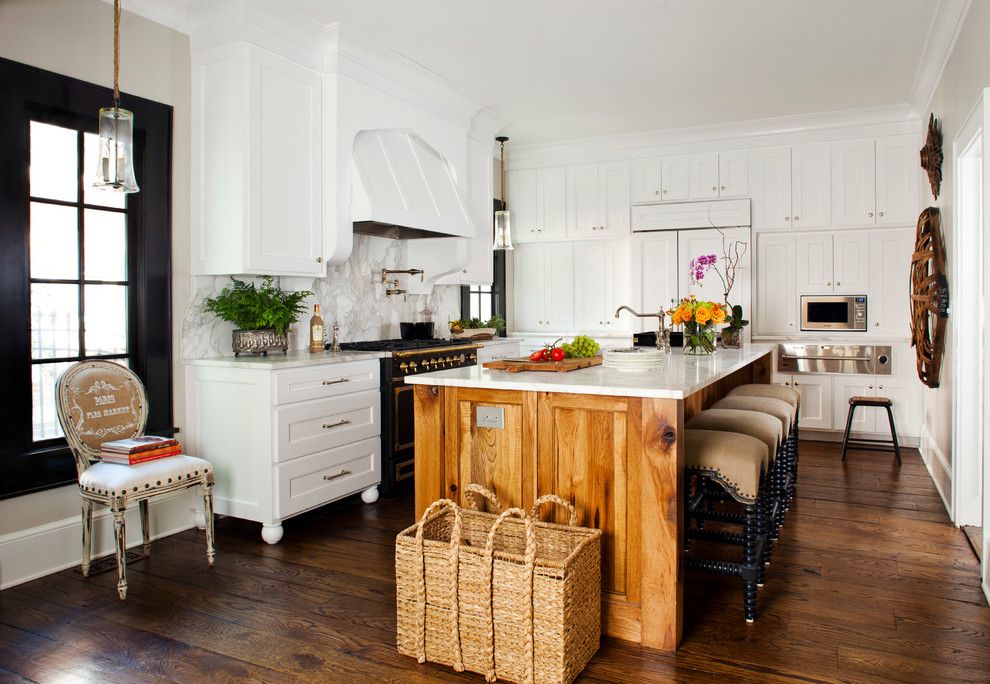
(120, 541)
(208, 515)
(87, 535)
(145, 526)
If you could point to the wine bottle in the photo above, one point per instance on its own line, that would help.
(316, 331)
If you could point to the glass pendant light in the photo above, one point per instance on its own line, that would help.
(115, 168)
(503, 233)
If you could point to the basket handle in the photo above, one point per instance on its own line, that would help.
(553, 498)
(455, 545)
(487, 494)
(530, 559)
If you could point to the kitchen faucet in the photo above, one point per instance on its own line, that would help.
(663, 333)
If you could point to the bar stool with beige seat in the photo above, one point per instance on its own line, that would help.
(100, 401)
(734, 462)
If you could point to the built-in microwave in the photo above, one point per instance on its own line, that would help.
(833, 312)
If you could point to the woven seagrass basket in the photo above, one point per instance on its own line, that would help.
(504, 595)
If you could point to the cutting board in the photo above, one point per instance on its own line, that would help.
(524, 364)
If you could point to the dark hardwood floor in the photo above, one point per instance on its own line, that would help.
(869, 583)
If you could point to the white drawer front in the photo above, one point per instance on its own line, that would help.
(306, 428)
(499, 351)
(325, 381)
(328, 475)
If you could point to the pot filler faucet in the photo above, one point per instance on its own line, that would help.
(663, 333)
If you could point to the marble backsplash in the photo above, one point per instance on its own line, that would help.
(351, 295)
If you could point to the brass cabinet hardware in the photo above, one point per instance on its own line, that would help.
(336, 382)
(336, 475)
(339, 423)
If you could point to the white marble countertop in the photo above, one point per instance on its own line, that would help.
(681, 377)
(278, 361)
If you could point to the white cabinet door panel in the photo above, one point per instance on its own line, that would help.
(583, 218)
(898, 177)
(613, 198)
(733, 176)
(529, 287)
(811, 184)
(704, 175)
(675, 174)
(590, 287)
(521, 201)
(617, 285)
(905, 393)
(816, 400)
(645, 183)
(654, 271)
(888, 310)
(814, 263)
(853, 183)
(770, 183)
(851, 262)
(845, 387)
(776, 301)
(551, 202)
(559, 287)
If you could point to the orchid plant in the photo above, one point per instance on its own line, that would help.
(731, 264)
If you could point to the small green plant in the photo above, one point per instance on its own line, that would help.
(495, 321)
(250, 307)
(736, 321)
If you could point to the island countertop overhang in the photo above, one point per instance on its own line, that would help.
(680, 377)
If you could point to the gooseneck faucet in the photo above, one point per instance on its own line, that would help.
(663, 332)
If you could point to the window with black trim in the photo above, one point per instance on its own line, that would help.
(84, 273)
(485, 301)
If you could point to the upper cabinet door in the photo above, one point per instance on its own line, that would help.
(704, 175)
(286, 228)
(654, 273)
(675, 175)
(645, 181)
(613, 198)
(854, 198)
(520, 198)
(770, 183)
(776, 299)
(551, 203)
(558, 286)
(851, 263)
(888, 311)
(898, 178)
(813, 274)
(583, 218)
(529, 286)
(733, 176)
(811, 199)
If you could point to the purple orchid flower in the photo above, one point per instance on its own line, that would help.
(699, 266)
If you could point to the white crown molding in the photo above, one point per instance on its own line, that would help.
(171, 13)
(868, 121)
(947, 22)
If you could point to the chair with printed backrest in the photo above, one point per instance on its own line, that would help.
(100, 401)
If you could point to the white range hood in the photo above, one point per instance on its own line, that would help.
(402, 188)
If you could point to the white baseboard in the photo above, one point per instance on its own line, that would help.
(936, 462)
(28, 554)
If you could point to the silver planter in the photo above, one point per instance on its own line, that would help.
(259, 342)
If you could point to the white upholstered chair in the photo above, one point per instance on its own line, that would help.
(100, 401)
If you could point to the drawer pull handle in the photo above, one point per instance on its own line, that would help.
(334, 477)
(339, 423)
(336, 382)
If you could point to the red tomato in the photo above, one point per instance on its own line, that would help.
(557, 354)
(544, 355)
(537, 355)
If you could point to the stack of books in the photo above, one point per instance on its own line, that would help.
(139, 449)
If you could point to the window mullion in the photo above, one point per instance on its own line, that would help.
(80, 236)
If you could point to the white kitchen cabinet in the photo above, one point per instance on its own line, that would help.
(816, 399)
(675, 177)
(600, 286)
(733, 176)
(844, 388)
(776, 308)
(888, 310)
(537, 204)
(832, 263)
(480, 194)
(770, 183)
(544, 287)
(850, 262)
(654, 271)
(598, 200)
(694, 243)
(286, 441)
(703, 175)
(645, 185)
(810, 186)
(520, 198)
(898, 177)
(813, 272)
(875, 182)
(257, 201)
(903, 393)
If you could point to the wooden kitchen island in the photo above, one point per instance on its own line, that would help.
(612, 442)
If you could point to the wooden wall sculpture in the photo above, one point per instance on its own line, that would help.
(929, 296)
(931, 155)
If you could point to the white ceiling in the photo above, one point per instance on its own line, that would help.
(558, 69)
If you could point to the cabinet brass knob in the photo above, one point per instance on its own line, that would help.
(797, 218)
(880, 214)
(656, 192)
(787, 218)
(714, 188)
(723, 187)
(870, 214)
(319, 260)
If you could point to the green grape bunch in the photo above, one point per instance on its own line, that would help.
(581, 347)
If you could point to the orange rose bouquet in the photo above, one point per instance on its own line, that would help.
(699, 320)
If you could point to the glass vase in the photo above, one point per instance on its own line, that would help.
(699, 340)
(732, 338)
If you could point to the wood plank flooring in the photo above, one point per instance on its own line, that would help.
(869, 583)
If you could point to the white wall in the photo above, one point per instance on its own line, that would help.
(966, 74)
(75, 38)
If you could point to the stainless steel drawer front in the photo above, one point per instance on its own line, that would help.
(825, 358)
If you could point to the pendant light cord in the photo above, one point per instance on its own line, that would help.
(501, 154)
(116, 53)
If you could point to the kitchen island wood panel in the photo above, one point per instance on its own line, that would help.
(618, 459)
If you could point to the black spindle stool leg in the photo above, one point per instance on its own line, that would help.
(893, 435)
(849, 424)
(749, 563)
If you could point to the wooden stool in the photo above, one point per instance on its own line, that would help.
(733, 462)
(871, 444)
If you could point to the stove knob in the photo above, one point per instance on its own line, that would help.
(448, 360)
(474, 357)
(403, 366)
(460, 359)
(412, 366)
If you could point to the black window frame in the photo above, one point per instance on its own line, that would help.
(28, 93)
(498, 284)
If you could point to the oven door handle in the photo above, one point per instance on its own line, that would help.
(827, 358)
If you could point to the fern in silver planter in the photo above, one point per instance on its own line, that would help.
(262, 314)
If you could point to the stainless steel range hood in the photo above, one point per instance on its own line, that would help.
(404, 189)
